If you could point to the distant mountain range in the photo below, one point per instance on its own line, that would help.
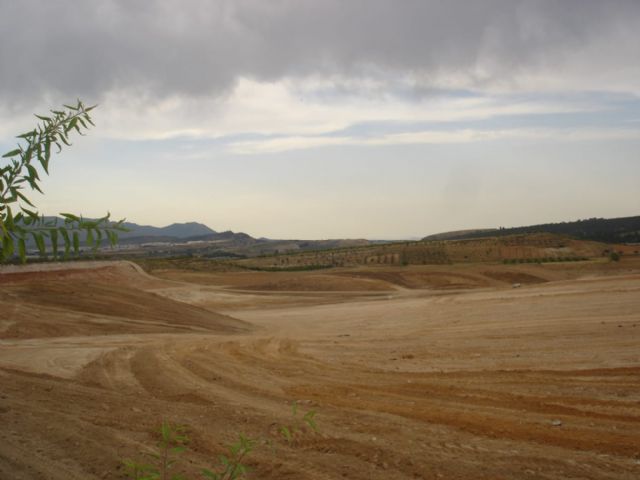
(175, 230)
(197, 238)
(181, 233)
(609, 230)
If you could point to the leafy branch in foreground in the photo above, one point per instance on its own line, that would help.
(21, 173)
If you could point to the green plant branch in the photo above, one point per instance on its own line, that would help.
(21, 171)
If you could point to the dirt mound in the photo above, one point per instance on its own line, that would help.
(120, 272)
(372, 279)
(108, 299)
(279, 281)
(325, 283)
(416, 279)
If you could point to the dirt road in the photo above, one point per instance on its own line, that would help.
(414, 373)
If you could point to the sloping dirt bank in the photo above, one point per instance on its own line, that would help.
(489, 382)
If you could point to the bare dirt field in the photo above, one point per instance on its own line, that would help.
(415, 372)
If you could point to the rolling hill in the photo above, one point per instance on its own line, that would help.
(608, 230)
(173, 231)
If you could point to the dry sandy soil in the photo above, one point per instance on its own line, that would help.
(416, 372)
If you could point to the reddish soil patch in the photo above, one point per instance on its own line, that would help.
(514, 277)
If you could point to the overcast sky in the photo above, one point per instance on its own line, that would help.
(333, 118)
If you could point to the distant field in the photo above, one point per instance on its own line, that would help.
(528, 248)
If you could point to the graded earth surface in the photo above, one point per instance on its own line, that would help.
(480, 371)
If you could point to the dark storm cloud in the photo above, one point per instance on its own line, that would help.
(193, 47)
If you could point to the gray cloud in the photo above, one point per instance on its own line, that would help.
(198, 47)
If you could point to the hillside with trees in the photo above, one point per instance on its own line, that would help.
(608, 230)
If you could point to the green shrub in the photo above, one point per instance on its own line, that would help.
(163, 458)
